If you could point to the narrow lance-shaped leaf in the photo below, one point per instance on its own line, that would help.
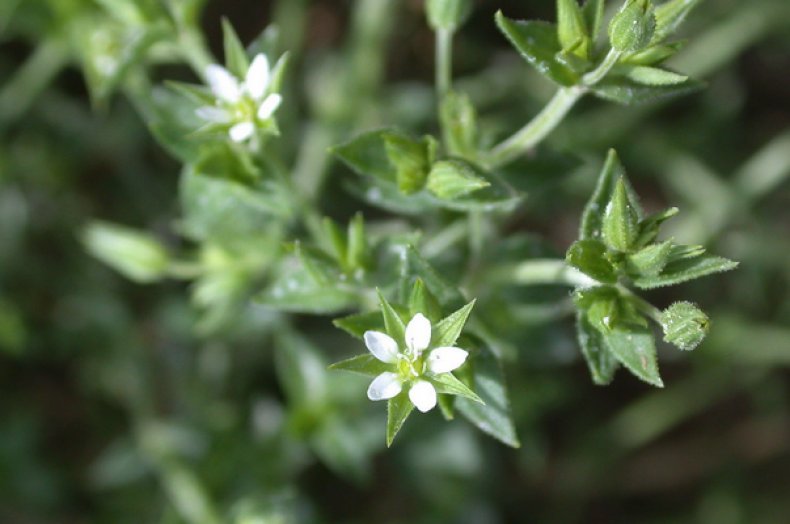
(654, 76)
(454, 178)
(686, 269)
(235, 57)
(670, 15)
(398, 410)
(620, 220)
(592, 216)
(447, 331)
(367, 365)
(422, 301)
(392, 321)
(448, 384)
(572, 28)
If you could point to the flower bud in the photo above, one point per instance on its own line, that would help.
(632, 28)
(685, 325)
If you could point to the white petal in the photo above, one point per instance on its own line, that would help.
(258, 76)
(215, 115)
(446, 359)
(269, 106)
(382, 346)
(385, 386)
(418, 333)
(242, 131)
(222, 83)
(423, 395)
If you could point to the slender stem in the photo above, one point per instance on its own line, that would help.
(642, 305)
(544, 271)
(444, 62)
(537, 129)
(606, 65)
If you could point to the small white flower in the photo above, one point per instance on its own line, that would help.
(411, 369)
(243, 105)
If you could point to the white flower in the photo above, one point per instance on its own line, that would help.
(243, 105)
(412, 369)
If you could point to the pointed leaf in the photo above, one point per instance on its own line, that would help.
(411, 161)
(654, 76)
(367, 155)
(600, 361)
(619, 227)
(592, 217)
(627, 92)
(235, 56)
(454, 178)
(447, 331)
(357, 253)
(367, 365)
(356, 325)
(686, 269)
(650, 260)
(670, 15)
(572, 28)
(635, 348)
(493, 417)
(392, 321)
(589, 257)
(422, 301)
(448, 384)
(649, 227)
(398, 410)
(415, 265)
(459, 124)
(538, 44)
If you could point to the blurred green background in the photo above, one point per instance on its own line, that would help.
(116, 406)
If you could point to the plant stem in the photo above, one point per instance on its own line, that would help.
(606, 65)
(444, 62)
(537, 129)
(544, 271)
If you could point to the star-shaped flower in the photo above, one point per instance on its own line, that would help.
(412, 366)
(241, 105)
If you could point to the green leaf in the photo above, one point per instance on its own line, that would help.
(423, 301)
(593, 14)
(619, 227)
(235, 56)
(356, 325)
(650, 260)
(454, 178)
(670, 15)
(393, 323)
(398, 410)
(538, 44)
(136, 255)
(301, 369)
(685, 325)
(589, 257)
(572, 28)
(459, 124)
(494, 416)
(447, 406)
(367, 155)
(686, 269)
(600, 361)
(649, 227)
(448, 384)
(357, 254)
(654, 76)
(447, 331)
(367, 365)
(592, 216)
(447, 14)
(633, 26)
(415, 265)
(621, 90)
(635, 348)
(298, 292)
(411, 159)
(336, 241)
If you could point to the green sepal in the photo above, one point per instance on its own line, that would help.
(538, 43)
(635, 348)
(454, 178)
(592, 216)
(494, 416)
(620, 222)
(653, 55)
(393, 323)
(654, 76)
(650, 260)
(633, 26)
(670, 15)
(572, 28)
(459, 125)
(356, 325)
(448, 384)
(421, 300)
(398, 410)
(447, 14)
(236, 59)
(447, 331)
(600, 361)
(685, 325)
(686, 269)
(649, 226)
(589, 257)
(367, 365)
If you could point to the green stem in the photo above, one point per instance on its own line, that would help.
(596, 75)
(536, 130)
(544, 271)
(444, 62)
(642, 305)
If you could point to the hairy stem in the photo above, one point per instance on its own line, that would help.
(598, 74)
(444, 62)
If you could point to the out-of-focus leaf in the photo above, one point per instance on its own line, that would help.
(134, 254)
(654, 76)
(236, 59)
(367, 365)
(356, 325)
